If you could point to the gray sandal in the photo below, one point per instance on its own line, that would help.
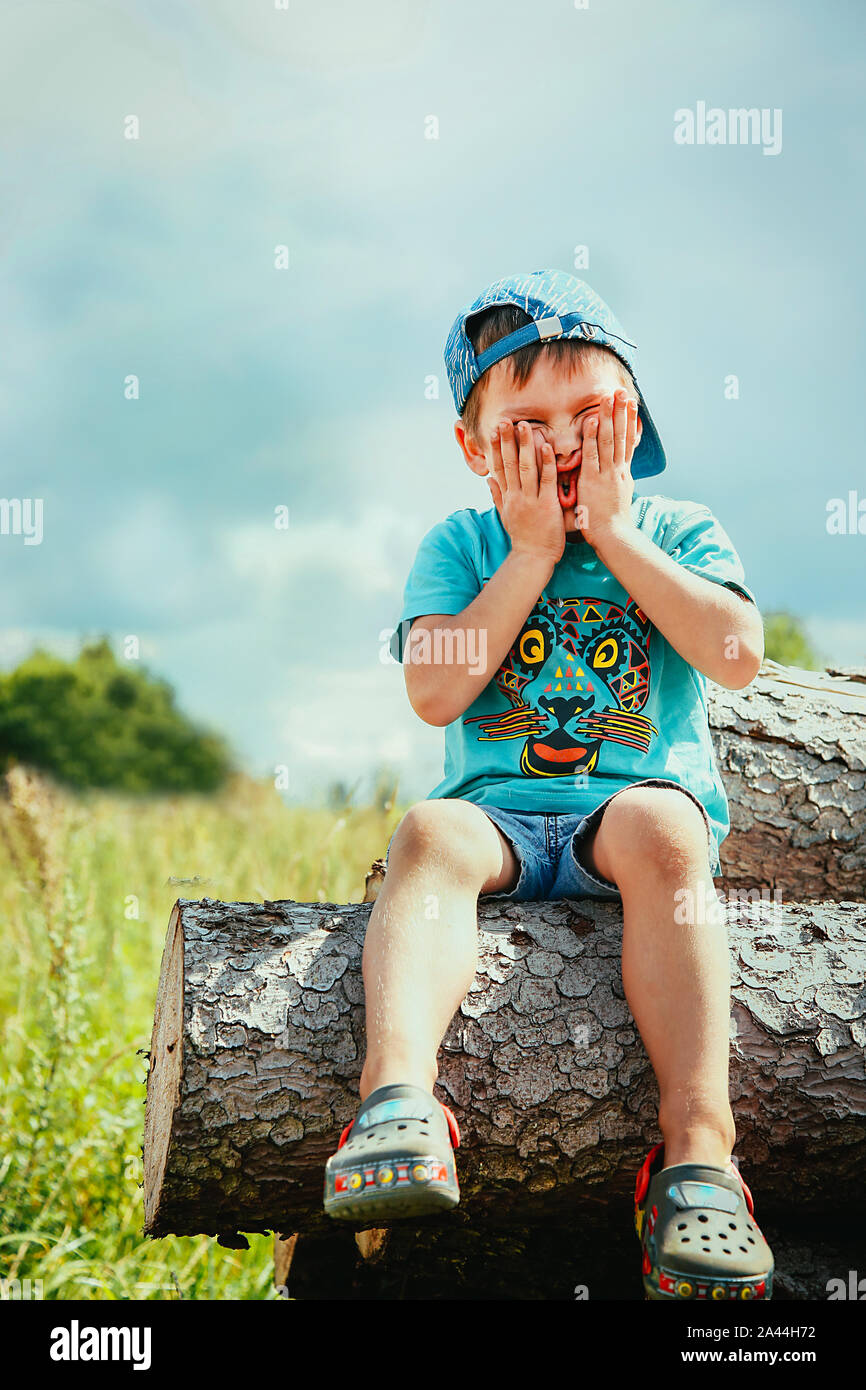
(395, 1159)
(698, 1233)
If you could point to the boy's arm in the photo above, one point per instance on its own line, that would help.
(710, 626)
(440, 692)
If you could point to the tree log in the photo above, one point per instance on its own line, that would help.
(259, 1037)
(259, 1040)
(791, 749)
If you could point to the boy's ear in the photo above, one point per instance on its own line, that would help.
(472, 452)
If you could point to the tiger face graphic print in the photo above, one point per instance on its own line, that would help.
(576, 678)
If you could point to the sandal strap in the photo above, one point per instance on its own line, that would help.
(453, 1129)
(746, 1193)
(645, 1173)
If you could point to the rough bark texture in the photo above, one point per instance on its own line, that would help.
(542, 1064)
(792, 753)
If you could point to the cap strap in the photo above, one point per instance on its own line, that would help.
(549, 327)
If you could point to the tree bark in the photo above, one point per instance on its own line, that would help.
(792, 753)
(259, 1041)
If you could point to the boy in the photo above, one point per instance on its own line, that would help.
(578, 763)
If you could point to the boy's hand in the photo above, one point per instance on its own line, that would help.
(524, 494)
(605, 486)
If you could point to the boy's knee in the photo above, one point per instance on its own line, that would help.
(446, 832)
(655, 827)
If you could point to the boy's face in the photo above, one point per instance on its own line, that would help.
(554, 402)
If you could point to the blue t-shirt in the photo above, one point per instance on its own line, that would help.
(591, 697)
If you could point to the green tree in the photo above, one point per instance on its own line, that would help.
(94, 723)
(785, 641)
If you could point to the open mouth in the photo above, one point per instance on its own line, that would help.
(567, 485)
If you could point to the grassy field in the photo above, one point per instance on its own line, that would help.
(85, 896)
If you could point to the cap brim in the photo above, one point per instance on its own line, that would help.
(649, 456)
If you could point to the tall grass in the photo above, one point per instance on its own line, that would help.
(86, 888)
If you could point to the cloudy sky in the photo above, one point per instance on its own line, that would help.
(260, 126)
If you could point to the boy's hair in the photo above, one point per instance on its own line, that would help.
(487, 327)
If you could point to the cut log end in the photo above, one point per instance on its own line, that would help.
(164, 1073)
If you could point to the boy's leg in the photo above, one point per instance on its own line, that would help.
(421, 947)
(652, 842)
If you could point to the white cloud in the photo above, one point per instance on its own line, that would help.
(392, 456)
(312, 37)
(348, 723)
(352, 552)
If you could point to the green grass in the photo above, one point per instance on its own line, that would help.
(85, 899)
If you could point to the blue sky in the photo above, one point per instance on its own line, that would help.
(305, 387)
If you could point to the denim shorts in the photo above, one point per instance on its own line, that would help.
(540, 840)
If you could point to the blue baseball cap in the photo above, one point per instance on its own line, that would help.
(560, 306)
